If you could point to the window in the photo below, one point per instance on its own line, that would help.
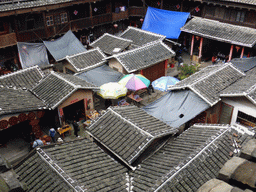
(30, 24)
(64, 17)
(240, 16)
(246, 120)
(49, 20)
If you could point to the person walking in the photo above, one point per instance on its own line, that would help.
(76, 128)
(52, 133)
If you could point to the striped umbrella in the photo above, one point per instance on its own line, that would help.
(134, 82)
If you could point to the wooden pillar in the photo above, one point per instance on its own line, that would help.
(230, 53)
(242, 53)
(141, 72)
(161, 6)
(200, 48)
(192, 46)
(90, 5)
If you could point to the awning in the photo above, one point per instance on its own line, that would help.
(164, 22)
(31, 54)
(224, 32)
(66, 45)
(100, 75)
(177, 108)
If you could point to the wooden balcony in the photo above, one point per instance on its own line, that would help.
(7, 40)
(31, 35)
(119, 16)
(101, 19)
(137, 11)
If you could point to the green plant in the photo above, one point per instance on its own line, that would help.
(187, 70)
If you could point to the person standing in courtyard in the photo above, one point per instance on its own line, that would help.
(52, 133)
(76, 128)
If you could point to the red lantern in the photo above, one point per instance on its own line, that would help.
(141, 20)
(115, 25)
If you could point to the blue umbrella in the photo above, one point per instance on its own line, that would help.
(162, 83)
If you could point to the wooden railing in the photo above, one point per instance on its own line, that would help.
(119, 16)
(137, 11)
(8, 40)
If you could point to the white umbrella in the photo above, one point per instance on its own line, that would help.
(112, 90)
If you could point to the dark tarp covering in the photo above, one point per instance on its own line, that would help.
(167, 23)
(244, 64)
(66, 45)
(101, 75)
(177, 108)
(31, 54)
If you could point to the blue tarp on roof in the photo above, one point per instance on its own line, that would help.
(68, 44)
(167, 23)
(177, 107)
(101, 75)
(31, 54)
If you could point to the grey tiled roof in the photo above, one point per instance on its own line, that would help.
(30, 4)
(249, 2)
(188, 161)
(224, 32)
(87, 60)
(210, 81)
(244, 64)
(111, 44)
(18, 100)
(56, 87)
(140, 37)
(81, 163)
(144, 56)
(39, 176)
(127, 131)
(24, 78)
(245, 86)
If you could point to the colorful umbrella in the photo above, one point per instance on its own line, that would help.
(134, 82)
(164, 82)
(112, 90)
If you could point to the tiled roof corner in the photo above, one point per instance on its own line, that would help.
(128, 131)
(87, 60)
(210, 81)
(108, 43)
(141, 37)
(144, 56)
(23, 78)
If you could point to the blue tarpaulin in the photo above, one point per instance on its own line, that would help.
(66, 45)
(167, 23)
(31, 54)
(177, 108)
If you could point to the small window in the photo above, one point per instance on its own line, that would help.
(245, 120)
(240, 16)
(64, 17)
(1, 26)
(49, 20)
(30, 24)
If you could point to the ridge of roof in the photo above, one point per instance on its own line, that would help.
(218, 38)
(180, 168)
(62, 78)
(22, 71)
(140, 48)
(107, 34)
(72, 183)
(144, 31)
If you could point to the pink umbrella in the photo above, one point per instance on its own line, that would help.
(134, 83)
